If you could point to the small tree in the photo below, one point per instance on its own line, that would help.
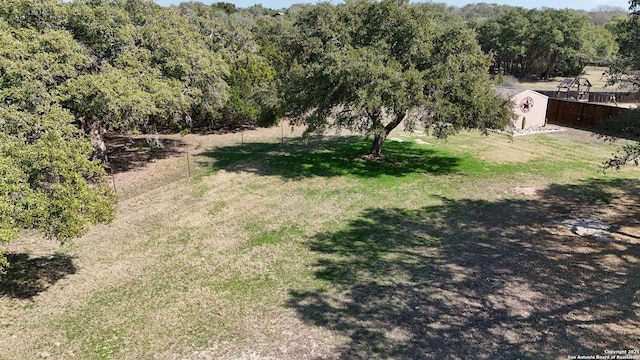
(369, 66)
(628, 60)
(625, 71)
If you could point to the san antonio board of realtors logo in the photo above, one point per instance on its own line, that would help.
(526, 104)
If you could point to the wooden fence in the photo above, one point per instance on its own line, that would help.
(597, 97)
(579, 114)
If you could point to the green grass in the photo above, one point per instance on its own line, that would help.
(340, 157)
(271, 248)
(273, 237)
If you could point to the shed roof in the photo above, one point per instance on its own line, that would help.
(509, 92)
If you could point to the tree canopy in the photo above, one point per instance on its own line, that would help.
(543, 44)
(47, 178)
(368, 66)
(626, 70)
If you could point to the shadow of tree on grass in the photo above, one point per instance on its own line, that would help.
(331, 157)
(128, 152)
(27, 277)
(479, 279)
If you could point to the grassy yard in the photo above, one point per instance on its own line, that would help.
(278, 248)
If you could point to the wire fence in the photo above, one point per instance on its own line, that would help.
(137, 166)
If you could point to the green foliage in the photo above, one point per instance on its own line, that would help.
(544, 43)
(34, 63)
(600, 47)
(35, 14)
(604, 14)
(628, 154)
(140, 66)
(627, 126)
(370, 66)
(628, 60)
(228, 8)
(121, 101)
(627, 31)
(47, 180)
(103, 27)
(482, 11)
(151, 67)
(625, 71)
(248, 81)
(233, 34)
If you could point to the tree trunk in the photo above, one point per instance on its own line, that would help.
(378, 140)
(94, 129)
(376, 147)
(550, 62)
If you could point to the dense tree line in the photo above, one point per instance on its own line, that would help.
(71, 70)
(544, 43)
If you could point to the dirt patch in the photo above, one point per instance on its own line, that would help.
(526, 190)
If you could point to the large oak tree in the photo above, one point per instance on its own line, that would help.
(370, 66)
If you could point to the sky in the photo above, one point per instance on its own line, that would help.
(557, 4)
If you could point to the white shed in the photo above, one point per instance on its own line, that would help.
(530, 106)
